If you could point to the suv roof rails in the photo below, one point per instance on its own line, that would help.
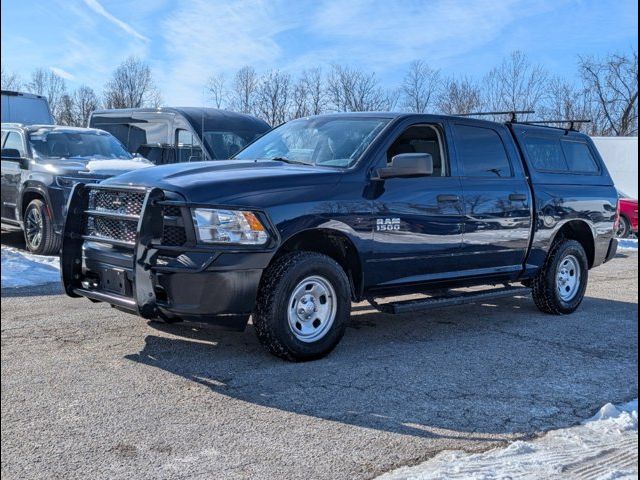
(572, 123)
(513, 114)
(13, 124)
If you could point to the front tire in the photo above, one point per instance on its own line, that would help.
(39, 234)
(303, 306)
(559, 287)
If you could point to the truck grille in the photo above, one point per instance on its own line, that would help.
(126, 206)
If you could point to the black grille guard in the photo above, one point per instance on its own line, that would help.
(143, 302)
(146, 248)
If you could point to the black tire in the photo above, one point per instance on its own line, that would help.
(545, 285)
(279, 281)
(39, 234)
(624, 229)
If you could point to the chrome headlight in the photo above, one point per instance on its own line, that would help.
(231, 227)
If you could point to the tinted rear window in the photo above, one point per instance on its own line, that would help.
(481, 152)
(579, 157)
(545, 154)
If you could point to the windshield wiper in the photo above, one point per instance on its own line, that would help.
(289, 161)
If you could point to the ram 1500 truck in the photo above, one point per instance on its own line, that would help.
(329, 210)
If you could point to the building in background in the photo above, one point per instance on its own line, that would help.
(621, 156)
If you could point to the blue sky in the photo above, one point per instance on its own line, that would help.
(187, 41)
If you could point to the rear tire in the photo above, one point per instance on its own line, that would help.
(560, 285)
(624, 229)
(39, 234)
(303, 306)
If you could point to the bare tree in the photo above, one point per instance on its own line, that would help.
(131, 86)
(515, 84)
(86, 101)
(244, 89)
(567, 101)
(459, 96)
(352, 90)
(315, 91)
(614, 82)
(46, 83)
(419, 87)
(9, 80)
(272, 97)
(66, 111)
(299, 100)
(217, 89)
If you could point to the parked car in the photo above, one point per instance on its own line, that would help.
(327, 210)
(40, 165)
(182, 134)
(25, 108)
(628, 223)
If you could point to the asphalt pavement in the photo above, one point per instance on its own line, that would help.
(91, 392)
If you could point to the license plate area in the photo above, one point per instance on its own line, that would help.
(115, 281)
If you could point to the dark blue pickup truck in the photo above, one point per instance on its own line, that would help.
(324, 211)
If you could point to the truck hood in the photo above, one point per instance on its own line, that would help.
(92, 168)
(226, 181)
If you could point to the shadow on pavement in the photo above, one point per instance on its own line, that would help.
(495, 368)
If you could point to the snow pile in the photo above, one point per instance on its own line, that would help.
(23, 269)
(122, 165)
(627, 244)
(603, 447)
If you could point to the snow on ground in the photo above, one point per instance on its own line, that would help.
(23, 269)
(627, 244)
(603, 447)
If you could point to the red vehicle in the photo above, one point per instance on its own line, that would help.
(628, 216)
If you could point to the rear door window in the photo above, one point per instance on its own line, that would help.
(545, 154)
(579, 157)
(481, 152)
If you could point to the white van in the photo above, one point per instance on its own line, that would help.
(25, 108)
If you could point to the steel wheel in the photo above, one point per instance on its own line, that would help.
(568, 278)
(312, 309)
(34, 227)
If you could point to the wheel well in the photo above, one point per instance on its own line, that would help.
(333, 244)
(580, 232)
(27, 198)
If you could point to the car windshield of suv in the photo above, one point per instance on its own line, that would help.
(323, 141)
(80, 144)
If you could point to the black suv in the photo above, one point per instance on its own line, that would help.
(40, 165)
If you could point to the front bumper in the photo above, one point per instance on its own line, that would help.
(191, 282)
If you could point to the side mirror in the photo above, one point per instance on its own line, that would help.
(10, 153)
(408, 165)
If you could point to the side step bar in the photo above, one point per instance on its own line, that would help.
(460, 298)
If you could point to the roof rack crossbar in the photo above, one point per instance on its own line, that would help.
(572, 123)
(513, 114)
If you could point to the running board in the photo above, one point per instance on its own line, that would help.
(461, 298)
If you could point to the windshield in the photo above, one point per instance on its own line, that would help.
(81, 144)
(324, 141)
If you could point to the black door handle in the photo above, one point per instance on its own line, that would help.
(517, 197)
(448, 198)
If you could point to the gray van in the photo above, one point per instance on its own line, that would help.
(25, 108)
(180, 134)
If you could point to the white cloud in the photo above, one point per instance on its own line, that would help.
(100, 10)
(62, 73)
(206, 37)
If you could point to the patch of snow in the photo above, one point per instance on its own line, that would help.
(121, 165)
(627, 244)
(603, 447)
(23, 269)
